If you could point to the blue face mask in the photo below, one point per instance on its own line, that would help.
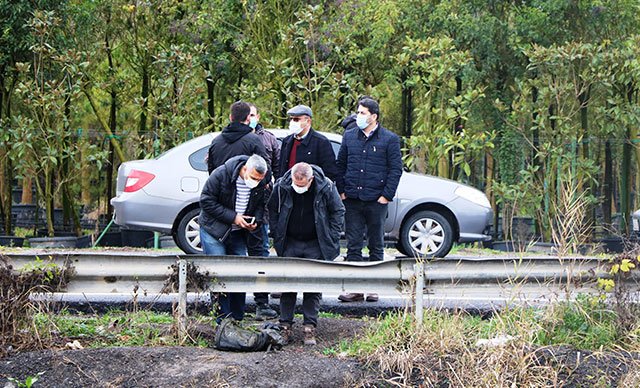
(253, 122)
(361, 121)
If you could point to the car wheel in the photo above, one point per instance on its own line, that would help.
(187, 236)
(427, 233)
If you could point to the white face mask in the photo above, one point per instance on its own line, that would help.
(251, 183)
(300, 190)
(295, 127)
(361, 121)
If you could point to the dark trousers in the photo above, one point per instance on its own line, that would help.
(364, 217)
(310, 300)
(261, 298)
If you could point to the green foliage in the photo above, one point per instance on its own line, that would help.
(143, 328)
(28, 382)
(534, 88)
(586, 323)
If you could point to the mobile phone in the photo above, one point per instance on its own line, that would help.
(249, 219)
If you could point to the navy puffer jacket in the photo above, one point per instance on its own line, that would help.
(369, 167)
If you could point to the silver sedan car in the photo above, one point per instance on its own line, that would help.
(425, 218)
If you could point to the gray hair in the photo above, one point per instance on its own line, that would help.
(257, 162)
(302, 170)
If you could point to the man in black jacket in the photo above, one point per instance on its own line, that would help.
(306, 145)
(237, 138)
(232, 203)
(306, 215)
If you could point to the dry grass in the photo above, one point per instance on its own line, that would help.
(445, 351)
(18, 311)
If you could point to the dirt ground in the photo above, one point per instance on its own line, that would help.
(294, 366)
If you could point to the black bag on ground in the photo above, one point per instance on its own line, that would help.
(231, 336)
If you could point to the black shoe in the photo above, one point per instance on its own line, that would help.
(265, 312)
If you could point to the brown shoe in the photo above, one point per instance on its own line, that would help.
(285, 332)
(309, 335)
(372, 298)
(351, 297)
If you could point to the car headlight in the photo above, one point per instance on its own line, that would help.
(473, 195)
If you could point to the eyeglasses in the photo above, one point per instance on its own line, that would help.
(296, 119)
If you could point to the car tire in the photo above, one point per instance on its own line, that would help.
(187, 235)
(427, 234)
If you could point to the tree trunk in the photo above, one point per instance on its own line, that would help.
(211, 86)
(607, 186)
(625, 172)
(406, 106)
(113, 111)
(590, 216)
(457, 129)
(144, 94)
(6, 168)
(48, 202)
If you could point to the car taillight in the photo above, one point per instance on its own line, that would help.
(136, 180)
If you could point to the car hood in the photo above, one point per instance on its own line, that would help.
(427, 188)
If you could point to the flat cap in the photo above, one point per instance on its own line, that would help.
(300, 110)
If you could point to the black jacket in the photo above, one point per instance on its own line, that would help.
(218, 199)
(369, 167)
(349, 122)
(328, 213)
(236, 139)
(315, 148)
(272, 145)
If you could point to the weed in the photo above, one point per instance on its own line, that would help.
(586, 323)
(445, 349)
(328, 314)
(28, 382)
(15, 288)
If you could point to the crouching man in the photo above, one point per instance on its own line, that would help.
(232, 203)
(305, 217)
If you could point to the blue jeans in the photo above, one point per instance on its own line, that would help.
(230, 303)
(364, 217)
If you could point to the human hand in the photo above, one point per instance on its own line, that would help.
(382, 200)
(343, 196)
(242, 222)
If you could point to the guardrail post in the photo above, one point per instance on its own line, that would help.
(182, 298)
(419, 292)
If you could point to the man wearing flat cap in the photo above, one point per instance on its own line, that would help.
(306, 145)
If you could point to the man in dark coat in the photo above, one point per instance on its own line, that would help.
(237, 138)
(233, 201)
(369, 170)
(306, 145)
(306, 215)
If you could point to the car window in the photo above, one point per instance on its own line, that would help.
(197, 159)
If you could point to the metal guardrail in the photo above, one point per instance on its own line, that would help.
(531, 280)
(122, 273)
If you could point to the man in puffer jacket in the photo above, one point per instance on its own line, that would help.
(369, 169)
(306, 216)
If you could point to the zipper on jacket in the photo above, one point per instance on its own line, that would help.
(225, 235)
